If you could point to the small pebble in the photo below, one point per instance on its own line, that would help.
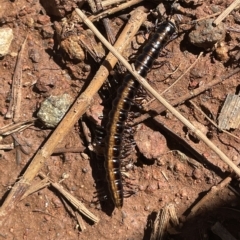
(6, 37)
(206, 35)
(53, 109)
(146, 208)
(197, 174)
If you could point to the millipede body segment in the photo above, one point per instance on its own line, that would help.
(122, 104)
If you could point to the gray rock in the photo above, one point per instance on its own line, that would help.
(6, 37)
(53, 109)
(206, 35)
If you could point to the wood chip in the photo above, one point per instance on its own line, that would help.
(229, 117)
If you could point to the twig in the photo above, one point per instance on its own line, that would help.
(36, 187)
(225, 13)
(74, 113)
(210, 194)
(6, 146)
(107, 3)
(187, 70)
(200, 19)
(43, 212)
(80, 221)
(17, 151)
(16, 127)
(193, 93)
(114, 10)
(15, 102)
(158, 97)
(75, 202)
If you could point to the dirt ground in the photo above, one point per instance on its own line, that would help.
(168, 164)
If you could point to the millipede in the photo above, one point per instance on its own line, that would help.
(121, 106)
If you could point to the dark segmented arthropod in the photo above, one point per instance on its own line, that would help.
(121, 106)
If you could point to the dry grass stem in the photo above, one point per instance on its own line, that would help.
(36, 187)
(114, 10)
(6, 146)
(75, 112)
(16, 94)
(107, 3)
(226, 12)
(75, 202)
(158, 97)
(81, 223)
(15, 127)
(200, 19)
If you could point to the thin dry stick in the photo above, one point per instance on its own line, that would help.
(193, 93)
(210, 194)
(187, 70)
(15, 103)
(157, 96)
(200, 19)
(225, 13)
(36, 187)
(111, 2)
(114, 10)
(6, 146)
(80, 222)
(16, 127)
(74, 201)
(74, 113)
(211, 121)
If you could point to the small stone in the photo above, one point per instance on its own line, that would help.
(53, 109)
(222, 52)
(206, 35)
(72, 48)
(6, 37)
(84, 156)
(150, 143)
(146, 208)
(34, 55)
(197, 174)
(47, 32)
(43, 19)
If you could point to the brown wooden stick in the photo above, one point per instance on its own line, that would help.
(75, 112)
